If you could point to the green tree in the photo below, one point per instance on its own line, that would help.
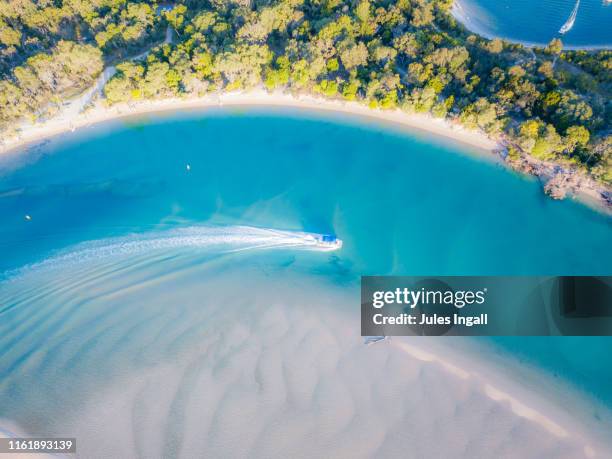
(156, 80)
(571, 109)
(480, 114)
(328, 88)
(422, 15)
(555, 46)
(576, 136)
(540, 139)
(349, 90)
(176, 16)
(279, 74)
(495, 46)
(546, 69)
(243, 66)
(353, 55)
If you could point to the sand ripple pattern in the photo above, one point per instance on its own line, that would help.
(161, 355)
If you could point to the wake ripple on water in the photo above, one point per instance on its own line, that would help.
(209, 238)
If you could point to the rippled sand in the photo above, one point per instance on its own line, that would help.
(177, 353)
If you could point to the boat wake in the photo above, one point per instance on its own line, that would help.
(570, 21)
(205, 238)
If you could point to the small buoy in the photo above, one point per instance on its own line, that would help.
(28, 218)
(188, 167)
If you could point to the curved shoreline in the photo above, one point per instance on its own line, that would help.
(460, 16)
(99, 113)
(529, 392)
(587, 192)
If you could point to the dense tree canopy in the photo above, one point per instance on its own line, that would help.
(52, 50)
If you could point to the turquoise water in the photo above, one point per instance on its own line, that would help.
(583, 361)
(538, 22)
(402, 204)
(168, 239)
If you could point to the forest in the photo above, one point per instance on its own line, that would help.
(547, 103)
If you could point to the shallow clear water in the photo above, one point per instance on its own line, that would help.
(81, 316)
(402, 204)
(538, 22)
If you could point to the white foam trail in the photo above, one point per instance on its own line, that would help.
(570, 21)
(213, 239)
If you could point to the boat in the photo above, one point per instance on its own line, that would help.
(570, 21)
(325, 241)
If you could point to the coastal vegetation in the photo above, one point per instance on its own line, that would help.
(548, 104)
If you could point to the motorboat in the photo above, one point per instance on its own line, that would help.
(325, 241)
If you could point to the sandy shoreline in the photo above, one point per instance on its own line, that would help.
(528, 391)
(584, 190)
(31, 134)
(460, 15)
(531, 392)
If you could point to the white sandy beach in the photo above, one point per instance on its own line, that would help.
(99, 112)
(71, 118)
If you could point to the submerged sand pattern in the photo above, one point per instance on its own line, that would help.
(151, 355)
